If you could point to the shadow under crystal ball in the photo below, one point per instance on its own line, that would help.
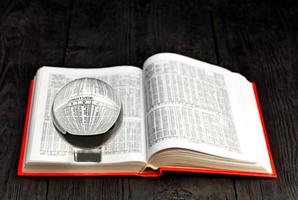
(87, 112)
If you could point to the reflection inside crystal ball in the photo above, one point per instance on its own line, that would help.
(86, 106)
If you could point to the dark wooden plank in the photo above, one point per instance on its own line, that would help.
(101, 33)
(179, 27)
(115, 33)
(182, 186)
(32, 34)
(258, 40)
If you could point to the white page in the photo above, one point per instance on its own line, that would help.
(128, 144)
(192, 104)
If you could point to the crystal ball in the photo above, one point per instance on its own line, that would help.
(85, 110)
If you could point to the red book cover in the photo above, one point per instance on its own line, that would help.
(156, 173)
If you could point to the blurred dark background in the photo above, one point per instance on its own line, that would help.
(255, 38)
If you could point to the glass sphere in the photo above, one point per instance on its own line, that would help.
(85, 112)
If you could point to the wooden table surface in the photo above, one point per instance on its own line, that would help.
(258, 40)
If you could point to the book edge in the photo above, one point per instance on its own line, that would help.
(274, 173)
(25, 130)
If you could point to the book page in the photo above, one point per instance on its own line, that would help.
(189, 105)
(129, 141)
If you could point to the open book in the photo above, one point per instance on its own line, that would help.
(179, 114)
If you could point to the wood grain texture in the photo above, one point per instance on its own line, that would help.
(256, 39)
(32, 34)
